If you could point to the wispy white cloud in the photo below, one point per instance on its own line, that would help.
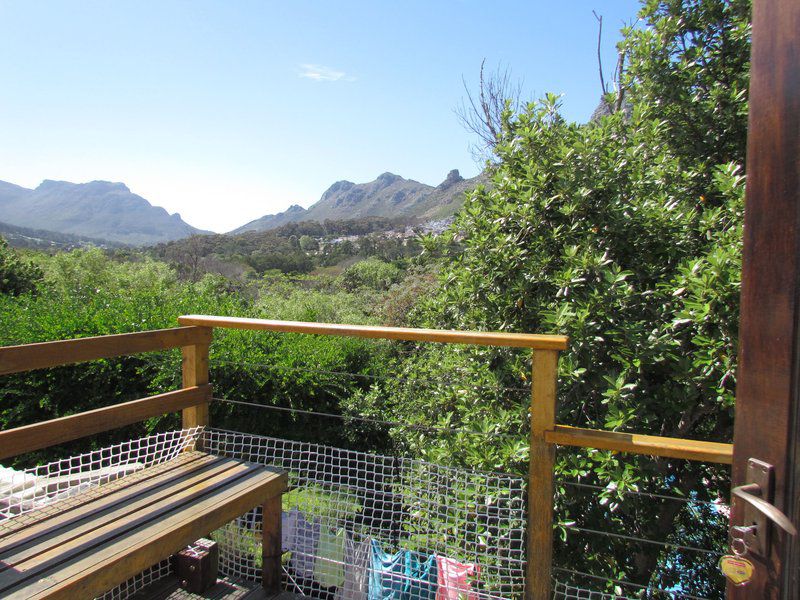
(323, 73)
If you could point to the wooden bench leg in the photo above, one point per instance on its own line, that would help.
(271, 545)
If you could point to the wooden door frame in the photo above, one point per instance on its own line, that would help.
(768, 386)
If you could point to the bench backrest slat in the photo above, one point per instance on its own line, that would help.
(56, 431)
(15, 359)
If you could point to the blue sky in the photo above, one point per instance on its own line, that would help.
(225, 111)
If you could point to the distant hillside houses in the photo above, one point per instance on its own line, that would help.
(409, 232)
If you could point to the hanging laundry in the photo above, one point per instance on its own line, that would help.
(329, 563)
(455, 579)
(387, 576)
(304, 546)
(356, 573)
(401, 576)
(288, 525)
(423, 579)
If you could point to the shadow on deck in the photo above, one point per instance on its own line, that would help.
(170, 588)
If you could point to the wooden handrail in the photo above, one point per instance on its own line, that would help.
(479, 338)
(194, 339)
(15, 359)
(56, 431)
(635, 443)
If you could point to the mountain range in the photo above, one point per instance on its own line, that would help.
(110, 211)
(388, 196)
(98, 209)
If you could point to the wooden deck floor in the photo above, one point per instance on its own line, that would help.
(226, 589)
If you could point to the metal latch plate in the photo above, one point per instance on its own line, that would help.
(760, 473)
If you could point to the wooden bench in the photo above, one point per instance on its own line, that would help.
(85, 545)
(82, 546)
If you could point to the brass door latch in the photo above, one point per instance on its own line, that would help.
(759, 510)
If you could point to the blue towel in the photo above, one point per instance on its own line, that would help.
(401, 576)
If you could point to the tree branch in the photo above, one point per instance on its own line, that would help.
(599, 56)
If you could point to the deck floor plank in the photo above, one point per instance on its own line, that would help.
(169, 588)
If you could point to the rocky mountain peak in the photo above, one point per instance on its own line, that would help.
(338, 188)
(98, 186)
(453, 177)
(102, 210)
(388, 178)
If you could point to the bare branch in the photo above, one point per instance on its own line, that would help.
(604, 89)
(483, 115)
(618, 71)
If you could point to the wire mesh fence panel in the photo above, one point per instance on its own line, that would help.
(353, 522)
(356, 522)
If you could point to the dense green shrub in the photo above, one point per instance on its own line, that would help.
(86, 293)
(16, 275)
(624, 234)
(371, 273)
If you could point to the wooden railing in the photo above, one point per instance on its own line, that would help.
(195, 338)
(191, 399)
(546, 434)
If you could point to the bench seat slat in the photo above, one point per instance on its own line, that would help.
(71, 511)
(155, 499)
(124, 558)
(51, 557)
(99, 544)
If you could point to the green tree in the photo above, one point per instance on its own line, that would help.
(624, 234)
(372, 273)
(308, 243)
(690, 66)
(16, 276)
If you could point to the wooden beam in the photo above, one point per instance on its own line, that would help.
(195, 372)
(538, 576)
(479, 338)
(56, 431)
(641, 444)
(15, 359)
(271, 545)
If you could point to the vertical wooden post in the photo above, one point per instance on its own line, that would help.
(195, 372)
(767, 425)
(540, 476)
(271, 545)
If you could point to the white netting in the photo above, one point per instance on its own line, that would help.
(29, 489)
(143, 579)
(353, 521)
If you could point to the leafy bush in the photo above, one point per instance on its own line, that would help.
(86, 293)
(624, 234)
(16, 276)
(372, 273)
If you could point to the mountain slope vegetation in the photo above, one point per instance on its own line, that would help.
(389, 196)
